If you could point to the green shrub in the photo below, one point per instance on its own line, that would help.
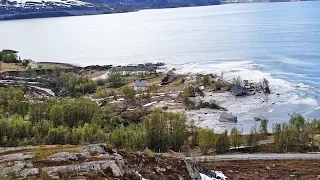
(223, 142)
(207, 140)
(132, 137)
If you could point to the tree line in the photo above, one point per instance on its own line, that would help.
(9, 58)
(297, 134)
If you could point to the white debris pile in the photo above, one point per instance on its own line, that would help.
(215, 175)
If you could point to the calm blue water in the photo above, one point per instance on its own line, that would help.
(280, 40)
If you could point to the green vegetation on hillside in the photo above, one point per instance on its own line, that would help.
(290, 136)
(9, 58)
(76, 86)
(79, 121)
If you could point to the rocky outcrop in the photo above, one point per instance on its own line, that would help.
(63, 156)
(29, 172)
(96, 166)
(19, 168)
(193, 170)
(16, 157)
(93, 162)
(102, 159)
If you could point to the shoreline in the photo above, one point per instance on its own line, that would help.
(70, 13)
(53, 14)
(89, 12)
(275, 107)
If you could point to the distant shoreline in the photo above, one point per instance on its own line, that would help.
(36, 15)
(67, 13)
(57, 64)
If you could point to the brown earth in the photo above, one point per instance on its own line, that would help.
(267, 169)
(11, 67)
(157, 168)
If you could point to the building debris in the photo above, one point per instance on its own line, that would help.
(239, 90)
(226, 117)
(171, 76)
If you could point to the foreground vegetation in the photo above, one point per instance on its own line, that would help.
(80, 121)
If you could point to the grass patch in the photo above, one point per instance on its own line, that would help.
(96, 74)
(14, 151)
(174, 86)
(156, 79)
(43, 152)
(11, 67)
(52, 65)
(46, 66)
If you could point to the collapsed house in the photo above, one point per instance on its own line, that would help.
(171, 76)
(239, 90)
(250, 88)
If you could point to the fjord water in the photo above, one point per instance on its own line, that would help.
(279, 41)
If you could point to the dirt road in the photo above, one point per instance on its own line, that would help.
(269, 156)
(267, 169)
